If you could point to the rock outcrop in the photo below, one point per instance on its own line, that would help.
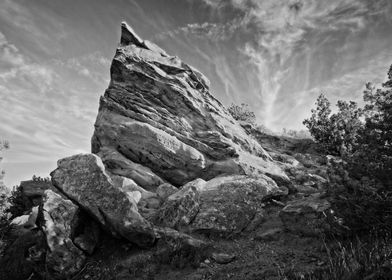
(62, 257)
(158, 122)
(170, 170)
(222, 206)
(306, 216)
(82, 178)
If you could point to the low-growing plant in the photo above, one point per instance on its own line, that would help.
(368, 258)
(242, 113)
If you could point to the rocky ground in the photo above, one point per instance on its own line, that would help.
(174, 188)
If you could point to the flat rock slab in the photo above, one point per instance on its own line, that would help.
(306, 216)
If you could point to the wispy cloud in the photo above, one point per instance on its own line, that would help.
(280, 32)
(41, 109)
(46, 38)
(92, 65)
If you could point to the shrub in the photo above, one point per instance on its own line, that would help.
(374, 154)
(362, 204)
(366, 258)
(336, 133)
(299, 134)
(242, 113)
(17, 202)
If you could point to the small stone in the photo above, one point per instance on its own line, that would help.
(268, 235)
(222, 258)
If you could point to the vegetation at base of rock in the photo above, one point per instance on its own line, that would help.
(242, 113)
(187, 192)
(366, 258)
(17, 207)
(4, 145)
(359, 181)
(299, 134)
(335, 133)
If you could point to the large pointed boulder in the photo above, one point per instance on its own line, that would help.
(83, 179)
(63, 258)
(158, 117)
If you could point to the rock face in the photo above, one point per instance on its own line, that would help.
(222, 206)
(229, 204)
(169, 168)
(63, 257)
(33, 191)
(158, 122)
(306, 216)
(83, 179)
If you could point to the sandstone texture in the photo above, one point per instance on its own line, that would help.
(82, 178)
(172, 182)
(62, 257)
(158, 121)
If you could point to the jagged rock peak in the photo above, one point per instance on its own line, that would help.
(129, 36)
(158, 122)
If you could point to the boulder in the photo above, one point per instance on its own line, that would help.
(179, 249)
(223, 206)
(229, 204)
(142, 197)
(32, 192)
(82, 178)
(306, 216)
(165, 190)
(63, 258)
(24, 223)
(122, 166)
(147, 202)
(158, 122)
(180, 208)
(222, 258)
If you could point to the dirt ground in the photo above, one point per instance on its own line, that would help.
(267, 252)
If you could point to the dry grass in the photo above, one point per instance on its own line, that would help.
(368, 258)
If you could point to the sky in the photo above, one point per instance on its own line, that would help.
(275, 55)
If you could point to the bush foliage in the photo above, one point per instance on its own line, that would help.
(361, 182)
(242, 113)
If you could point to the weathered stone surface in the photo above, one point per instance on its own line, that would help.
(83, 179)
(268, 235)
(122, 166)
(229, 204)
(306, 216)
(86, 233)
(180, 208)
(23, 224)
(165, 190)
(223, 206)
(63, 258)
(179, 249)
(222, 258)
(158, 115)
(32, 192)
